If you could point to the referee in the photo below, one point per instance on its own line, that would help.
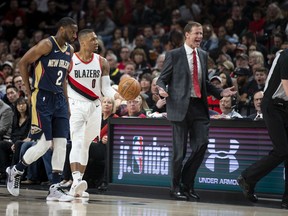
(275, 113)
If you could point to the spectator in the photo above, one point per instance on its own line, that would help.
(34, 18)
(124, 58)
(50, 18)
(6, 118)
(104, 25)
(255, 85)
(154, 101)
(7, 68)
(141, 14)
(115, 73)
(257, 23)
(138, 56)
(227, 107)
(136, 107)
(129, 70)
(2, 85)
(240, 23)
(12, 94)
(122, 12)
(249, 39)
(210, 40)
(256, 57)
(257, 99)
(159, 62)
(242, 61)
(145, 84)
(76, 12)
(20, 128)
(190, 10)
(213, 103)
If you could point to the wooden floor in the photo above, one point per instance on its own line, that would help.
(32, 202)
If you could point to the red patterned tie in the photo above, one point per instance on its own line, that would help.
(195, 76)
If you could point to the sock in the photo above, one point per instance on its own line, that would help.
(56, 177)
(21, 166)
(76, 177)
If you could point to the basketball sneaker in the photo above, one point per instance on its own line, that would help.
(77, 189)
(56, 193)
(13, 180)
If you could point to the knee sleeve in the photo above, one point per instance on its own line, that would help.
(59, 154)
(37, 151)
(79, 153)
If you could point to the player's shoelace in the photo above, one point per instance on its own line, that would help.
(61, 190)
(17, 181)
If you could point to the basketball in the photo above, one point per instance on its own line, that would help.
(129, 88)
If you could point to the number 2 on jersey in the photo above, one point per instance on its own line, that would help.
(59, 79)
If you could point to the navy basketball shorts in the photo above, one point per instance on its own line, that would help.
(49, 115)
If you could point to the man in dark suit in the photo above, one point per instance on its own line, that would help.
(184, 82)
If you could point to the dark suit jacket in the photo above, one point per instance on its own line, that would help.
(176, 75)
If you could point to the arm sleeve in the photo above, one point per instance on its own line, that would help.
(106, 87)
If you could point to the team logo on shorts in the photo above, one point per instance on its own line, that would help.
(35, 129)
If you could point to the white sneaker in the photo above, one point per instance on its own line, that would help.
(85, 194)
(56, 193)
(77, 190)
(65, 183)
(13, 180)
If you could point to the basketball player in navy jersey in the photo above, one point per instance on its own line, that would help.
(50, 113)
(88, 80)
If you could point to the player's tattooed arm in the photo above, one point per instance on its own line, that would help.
(104, 66)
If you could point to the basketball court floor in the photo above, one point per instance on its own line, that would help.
(32, 202)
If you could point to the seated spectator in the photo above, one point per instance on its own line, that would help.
(145, 84)
(115, 73)
(12, 95)
(255, 85)
(139, 57)
(20, 129)
(124, 58)
(154, 101)
(2, 85)
(129, 70)
(257, 99)
(136, 108)
(6, 119)
(227, 106)
(213, 103)
(19, 84)
(7, 68)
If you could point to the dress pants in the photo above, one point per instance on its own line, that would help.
(276, 119)
(196, 125)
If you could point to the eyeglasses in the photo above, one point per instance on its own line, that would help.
(132, 102)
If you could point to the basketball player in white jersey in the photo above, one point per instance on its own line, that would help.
(88, 80)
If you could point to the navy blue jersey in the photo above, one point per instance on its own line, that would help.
(50, 70)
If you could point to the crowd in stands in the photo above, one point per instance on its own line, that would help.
(242, 38)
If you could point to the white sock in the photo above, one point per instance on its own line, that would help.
(76, 175)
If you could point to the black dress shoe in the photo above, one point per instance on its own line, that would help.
(284, 204)
(191, 193)
(103, 187)
(247, 189)
(177, 195)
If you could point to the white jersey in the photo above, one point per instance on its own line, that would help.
(84, 79)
